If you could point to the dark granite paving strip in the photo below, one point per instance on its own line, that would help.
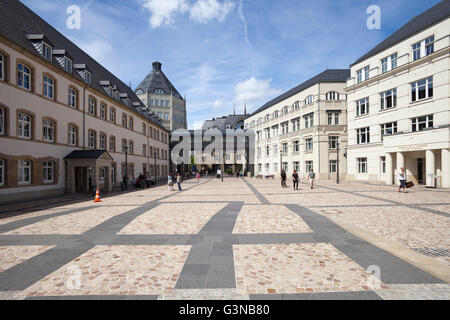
(153, 239)
(258, 194)
(445, 214)
(23, 275)
(393, 270)
(28, 221)
(30, 240)
(95, 298)
(377, 205)
(210, 263)
(356, 295)
(175, 193)
(274, 238)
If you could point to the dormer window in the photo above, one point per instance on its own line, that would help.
(64, 59)
(87, 77)
(159, 91)
(68, 65)
(84, 72)
(46, 51)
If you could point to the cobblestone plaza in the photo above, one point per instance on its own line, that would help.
(238, 239)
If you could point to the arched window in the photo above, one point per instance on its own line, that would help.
(24, 76)
(102, 141)
(159, 91)
(73, 100)
(112, 144)
(92, 139)
(92, 106)
(48, 89)
(48, 130)
(24, 172)
(332, 96)
(24, 125)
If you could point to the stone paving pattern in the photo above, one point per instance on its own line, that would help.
(236, 240)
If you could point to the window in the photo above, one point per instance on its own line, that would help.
(102, 141)
(124, 120)
(275, 167)
(384, 65)
(124, 146)
(422, 123)
(359, 76)
(296, 125)
(362, 107)
(388, 129)
(24, 126)
(2, 121)
(131, 147)
(267, 117)
(46, 51)
(309, 166)
(144, 150)
(2, 67)
(388, 99)
(130, 121)
(275, 150)
(92, 139)
(309, 100)
(267, 133)
(48, 130)
(332, 95)
(102, 174)
(267, 168)
(24, 174)
(363, 74)
(309, 144)
(275, 131)
(285, 110)
(362, 165)
(72, 98)
(260, 168)
(144, 129)
(366, 72)
(309, 121)
(68, 65)
(102, 111)
(296, 146)
(267, 151)
(285, 148)
(112, 144)
(333, 142)
(259, 152)
(112, 115)
(159, 91)
(363, 135)
(92, 106)
(296, 166)
(333, 166)
(333, 118)
(383, 164)
(275, 114)
(285, 166)
(48, 172)
(297, 105)
(72, 136)
(423, 48)
(429, 45)
(422, 89)
(2, 172)
(394, 61)
(285, 128)
(416, 51)
(49, 87)
(87, 77)
(23, 76)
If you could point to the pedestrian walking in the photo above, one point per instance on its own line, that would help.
(179, 179)
(295, 179)
(311, 177)
(198, 177)
(237, 174)
(170, 182)
(283, 179)
(402, 180)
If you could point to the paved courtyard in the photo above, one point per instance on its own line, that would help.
(240, 239)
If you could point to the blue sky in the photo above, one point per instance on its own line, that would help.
(220, 52)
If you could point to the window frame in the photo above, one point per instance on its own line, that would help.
(21, 124)
(415, 123)
(48, 87)
(415, 89)
(48, 170)
(103, 111)
(22, 75)
(385, 126)
(92, 107)
(21, 172)
(72, 97)
(3, 121)
(332, 166)
(332, 142)
(363, 132)
(72, 134)
(2, 172)
(46, 56)
(92, 139)
(309, 144)
(112, 142)
(48, 130)
(2, 67)
(362, 165)
(363, 103)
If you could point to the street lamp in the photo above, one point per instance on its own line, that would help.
(223, 165)
(281, 160)
(126, 167)
(337, 164)
(154, 154)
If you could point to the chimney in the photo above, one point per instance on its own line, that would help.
(157, 66)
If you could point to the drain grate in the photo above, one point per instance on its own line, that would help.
(331, 211)
(433, 252)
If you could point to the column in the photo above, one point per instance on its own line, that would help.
(400, 163)
(445, 168)
(389, 170)
(430, 167)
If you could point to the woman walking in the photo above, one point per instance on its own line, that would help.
(402, 180)
(295, 179)
(179, 182)
(283, 179)
(170, 182)
(198, 177)
(311, 177)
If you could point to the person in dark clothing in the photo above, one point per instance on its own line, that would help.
(237, 174)
(283, 179)
(295, 179)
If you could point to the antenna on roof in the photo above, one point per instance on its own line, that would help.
(245, 107)
(130, 85)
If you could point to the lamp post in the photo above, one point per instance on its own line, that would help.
(281, 160)
(154, 154)
(337, 164)
(223, 165)
(126, 167)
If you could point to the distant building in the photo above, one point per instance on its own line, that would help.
(161, 97)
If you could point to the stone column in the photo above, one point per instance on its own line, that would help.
(400, 163)
(445, 163)
(389, 170)
(430, 167)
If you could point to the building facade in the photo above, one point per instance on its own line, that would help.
(55, 100)
(399, 105)
(303, 128)
(163, 99)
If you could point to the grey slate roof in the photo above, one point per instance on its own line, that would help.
(86, 155)
(223, 122)
(156, 79)
(424, 20)
(17, 21)
(330, 75)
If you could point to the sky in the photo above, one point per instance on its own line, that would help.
(221, 53)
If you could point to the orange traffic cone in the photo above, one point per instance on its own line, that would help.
(97, 197)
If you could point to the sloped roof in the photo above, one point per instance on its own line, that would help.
(87, 155)
(223, 122)
(17, 21)
(330, 75)
(424, 20)
(156, 79)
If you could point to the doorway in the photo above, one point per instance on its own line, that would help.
(420, 171)
(81, 180)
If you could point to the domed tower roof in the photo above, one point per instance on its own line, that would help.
(157, 82)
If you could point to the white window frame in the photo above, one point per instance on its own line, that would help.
(112, 144)
(308, 166)
(48, 130)
(275, 150)
(309, 100)
(296, 125)
(309, 120)
(91, 139)
(332, 96)
(24, 76)
(47, 51)
(428, 120)
(309, 144)
(87, 77)
(296, 146)
(92, 106)
(333, 166)
(49, 88)
(285, 148)
(363, 133)
(102, 141)
(415, 89)
(362, 107)
(72, 97)
(421, 49)
(25, 168)
(72, 136)
(386, 97)
(2, 121)
(383, 164)
(332, 142)
(388, 129)
(48, 171)
(112, 115)
(102, 174)
(361, 164)
(296, 166)
(24, 125)
(2, 67)
(68, 64)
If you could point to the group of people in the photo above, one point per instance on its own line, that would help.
(174, 179)
(296, 179)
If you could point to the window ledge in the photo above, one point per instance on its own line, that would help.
(422, 100)
(388, 110)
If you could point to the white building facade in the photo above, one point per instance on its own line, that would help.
(399, 105)
(303, 128)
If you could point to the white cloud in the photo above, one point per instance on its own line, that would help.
(218, 103)
(253, 91)
(162, 11)
(205, 10)
(197, 125)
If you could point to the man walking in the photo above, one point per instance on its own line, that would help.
(311, 176)
(179, 181)
(295, 179)
(402, 180)
(283, 179)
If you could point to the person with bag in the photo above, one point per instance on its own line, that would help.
(295, 179)
(311, 177)
(179, 179)
(170, 182)
(402, 180)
